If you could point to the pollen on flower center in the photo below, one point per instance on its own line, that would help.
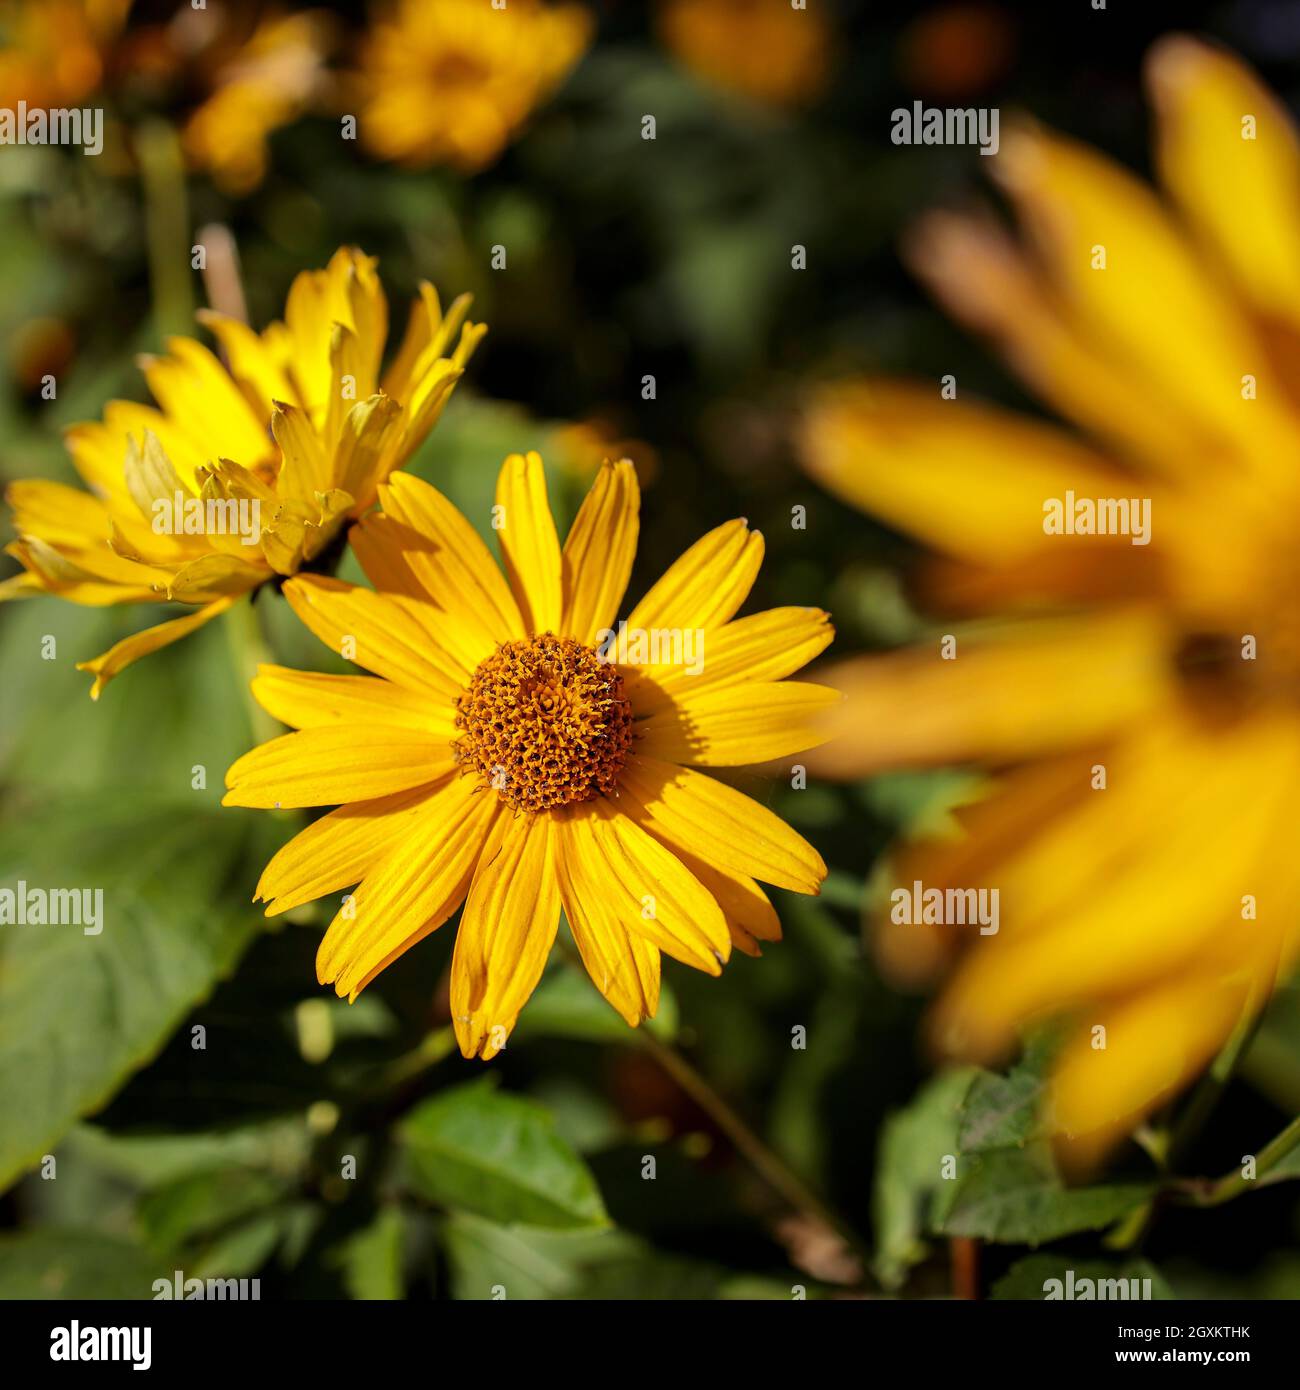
(545, 723)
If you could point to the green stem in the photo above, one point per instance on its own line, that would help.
(1202, 1193)
(248, 650)
(768, 1164)
(167, 221)
(430, 1050)
(1167, 1145)
(1213, 1084)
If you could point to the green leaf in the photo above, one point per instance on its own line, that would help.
(520, 1264)
(1001, 1111)
(499, 1156)
(79, 1013)
(204, 1203)
(372, 1259)
(1017, 1195)
(909, 1172)
(52, 1263)
(1026, 1278)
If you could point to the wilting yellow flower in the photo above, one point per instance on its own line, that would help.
(452, 83)
(242, 471)
(515, 751)
(1141, 691)
(762, 49)
(257, 86)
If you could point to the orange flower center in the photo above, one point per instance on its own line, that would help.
(545, 723)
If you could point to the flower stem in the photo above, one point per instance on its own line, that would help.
(167, 220)
(1199, 1192)
(766, 1162)
(1214, 1083)
(248, 650)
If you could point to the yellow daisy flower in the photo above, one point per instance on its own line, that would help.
(243, 471)
(515, 751)
(1137, 689)
(452, 83)
(763, 49)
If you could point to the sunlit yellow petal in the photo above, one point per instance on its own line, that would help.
(735, 724)
(706, 585)
(695, 813)
(598, 552)
(327, 765)
(506, 933)
(530, 548)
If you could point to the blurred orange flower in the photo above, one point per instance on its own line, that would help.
(763, 49)
(253, 71)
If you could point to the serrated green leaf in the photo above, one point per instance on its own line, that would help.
(1016, 1195)
(477, 1149)
(1001, 1111)
(909, 1172)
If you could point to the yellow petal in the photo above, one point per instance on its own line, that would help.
(375, 631)
(987, 280)
(762, 647)
(1074, 200)
(530, 548)
(309, 699)
(337, 763)
(970, 480)
(598, 552)
(749, 914)
(251, 361)
(460, 563)
(412, 891)
(339, 849)
(736, 724)
(205, 403)
(506, 932)
(1119, 894)
(363, 439)
(693, 812)
(305, 471)
(1040, 687)
(1155, 1043)
(657, 896)
(58, 514)
(622, 964)
(1239, 188)
(121, 654)
(96, 578)
(706, 585)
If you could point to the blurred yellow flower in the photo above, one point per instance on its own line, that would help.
(763, 49)
(452, 83)
(1139, 693)
(250, 72)
(242, 471)
(504, 755)
(257, 86)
